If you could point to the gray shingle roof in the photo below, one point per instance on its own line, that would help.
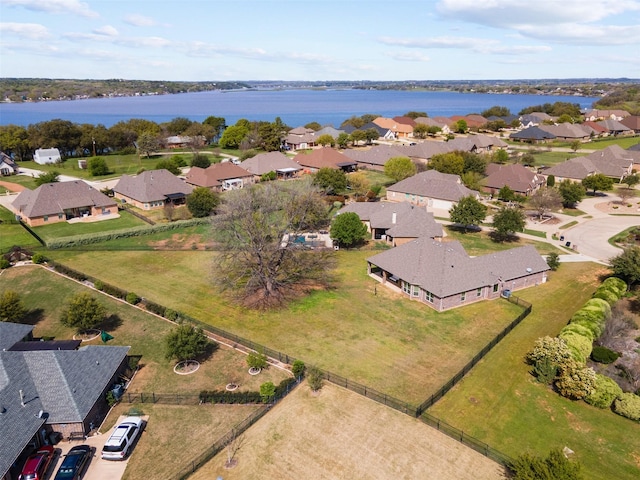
(532, 133)
(54, 198)
(444, 268)
(12, 333)
(433, 184)
(269, 162)
(612, 161)
(378, 155)
(151, 186)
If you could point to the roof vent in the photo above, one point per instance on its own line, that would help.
(529, 270)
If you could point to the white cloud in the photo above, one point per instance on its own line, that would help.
(585, 34)
(106, 30)
(155, 42)
(139, 20)
(409, 56)
(54, 6)
(33, 31)
(478, 45)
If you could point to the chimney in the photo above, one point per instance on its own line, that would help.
(393, 218)
(21, 398)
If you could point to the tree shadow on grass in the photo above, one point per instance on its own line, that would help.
(503, 237)
(212, 347)
(111, 323)
(33, 316)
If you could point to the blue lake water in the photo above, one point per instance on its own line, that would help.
(294, 107)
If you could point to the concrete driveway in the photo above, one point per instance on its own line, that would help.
(591, 237)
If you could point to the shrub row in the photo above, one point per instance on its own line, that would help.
(224, 396)
(587, 324)
(69, 272)
(87, 239)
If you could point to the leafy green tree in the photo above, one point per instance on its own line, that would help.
(357, 137)
(233, 136)
(12, 308)
(507, 221)
(472, 180)
(358, 183)
(371, 134)
(348, 229)
(496, 111)
(598, 181)
(571, 193)
(297, 369)
(148, 143)
(576, 381)
(399, 168)
(501, 156)
(267, 392)
(452, 162)
(529, 160)
(14, 141)
(315, 378)
(413, 114)
(315, 126)
(325, 140)
(202, 201)
(495, 125)
(257, 360)
(627, 265)
(168, 164)
(358, 122)
(553, 261)
(217, 123)
(631, 180)
(575, 145)
(330, 180)
(551, 181)
(177, 126)
(468, 211)
(97, 166)
(434, 130)
(185, 342)
(61, 134)
(461, 126)
(628, 405)
(554, 467)
(83, 312)
(421, 130)
(47, 177)
(343, 140)
(201, 161)
(545, 200)
(474, 162)
(506, 194)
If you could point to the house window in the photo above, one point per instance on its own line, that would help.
(428, 296)
(495, 288)
(406, 287)
(46, 218)
(479, 292)
(463, 296)
(415, 291)
(59, 216)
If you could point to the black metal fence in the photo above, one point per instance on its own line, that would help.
(166, 398)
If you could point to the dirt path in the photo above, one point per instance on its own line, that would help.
(14, 187)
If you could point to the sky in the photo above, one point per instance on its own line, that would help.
(314, 40)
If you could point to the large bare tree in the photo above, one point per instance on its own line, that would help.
(260, 260)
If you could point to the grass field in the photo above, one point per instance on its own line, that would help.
(396, 346)
(24, 180)
(500, 403)
(479, 243)
(339, 434)
(65, 229)
(13, 233)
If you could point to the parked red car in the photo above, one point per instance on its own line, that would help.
(37, 464)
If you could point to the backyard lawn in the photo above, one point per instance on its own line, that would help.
(479, 243)
(359, 330)
(500, 403)
(13, 233)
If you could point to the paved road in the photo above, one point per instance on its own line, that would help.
(591, 237)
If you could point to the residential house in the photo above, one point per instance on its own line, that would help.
(384, 133)
(532, 134)
(534, 118)
(473, 120)
(507, 119)
(376, 157)
(300, 138)
(598, 130)
(569, 131)
(399, 130)
(62, 202)
(594, 115)
(329, 130)
(276, 162)
(184, 141)
(43, 156)
(405, 120)
(614, 127)
(632, 122)
(442, 275)
(152, 189)
(515, 176)
(432, 122)
(422, 152)
(325, 157)
(219, 177)
(430, 189)
(613, 161)
(395, 223)
(478, 143)
(8, 166)
(56, 390)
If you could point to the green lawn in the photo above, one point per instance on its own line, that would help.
(624, 142)
(500, 403)
(13, 233)
(359, 330)
(479, 243)
(24, 180)
(64, 229)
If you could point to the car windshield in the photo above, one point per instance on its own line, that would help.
(113, 448)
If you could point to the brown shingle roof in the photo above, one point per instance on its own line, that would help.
(517, 177)
(433, 184)
(54, 198)
(215, 174)
(269, 162)
(325, 157)
(151, 186)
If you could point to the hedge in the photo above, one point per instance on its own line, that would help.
(579, 330)
(579, 345)
(609, 296)
(616, 284)
(597, 304)
(604, 355)
(628, 405)
(605, 393)
(224, 396)
(87, 239)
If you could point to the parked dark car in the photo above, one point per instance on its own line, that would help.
(35, 468)
(75, 463)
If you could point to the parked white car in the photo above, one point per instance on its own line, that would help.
(121, 441)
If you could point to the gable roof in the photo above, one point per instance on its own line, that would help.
(532, 133)
(476, 142)
(426, 150)
(517, 177)
(444, 268)
(393, 125)
(215, 174)
(568, 130)
(325, 157)
(632, 121)
(434, 184)
(151, 186)
(8, 161)
(611, 161)
(269, 162)
(614, 125)
(377, 155)
(329, 130)
(12, 333)
(55, 198)
(381, 130)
